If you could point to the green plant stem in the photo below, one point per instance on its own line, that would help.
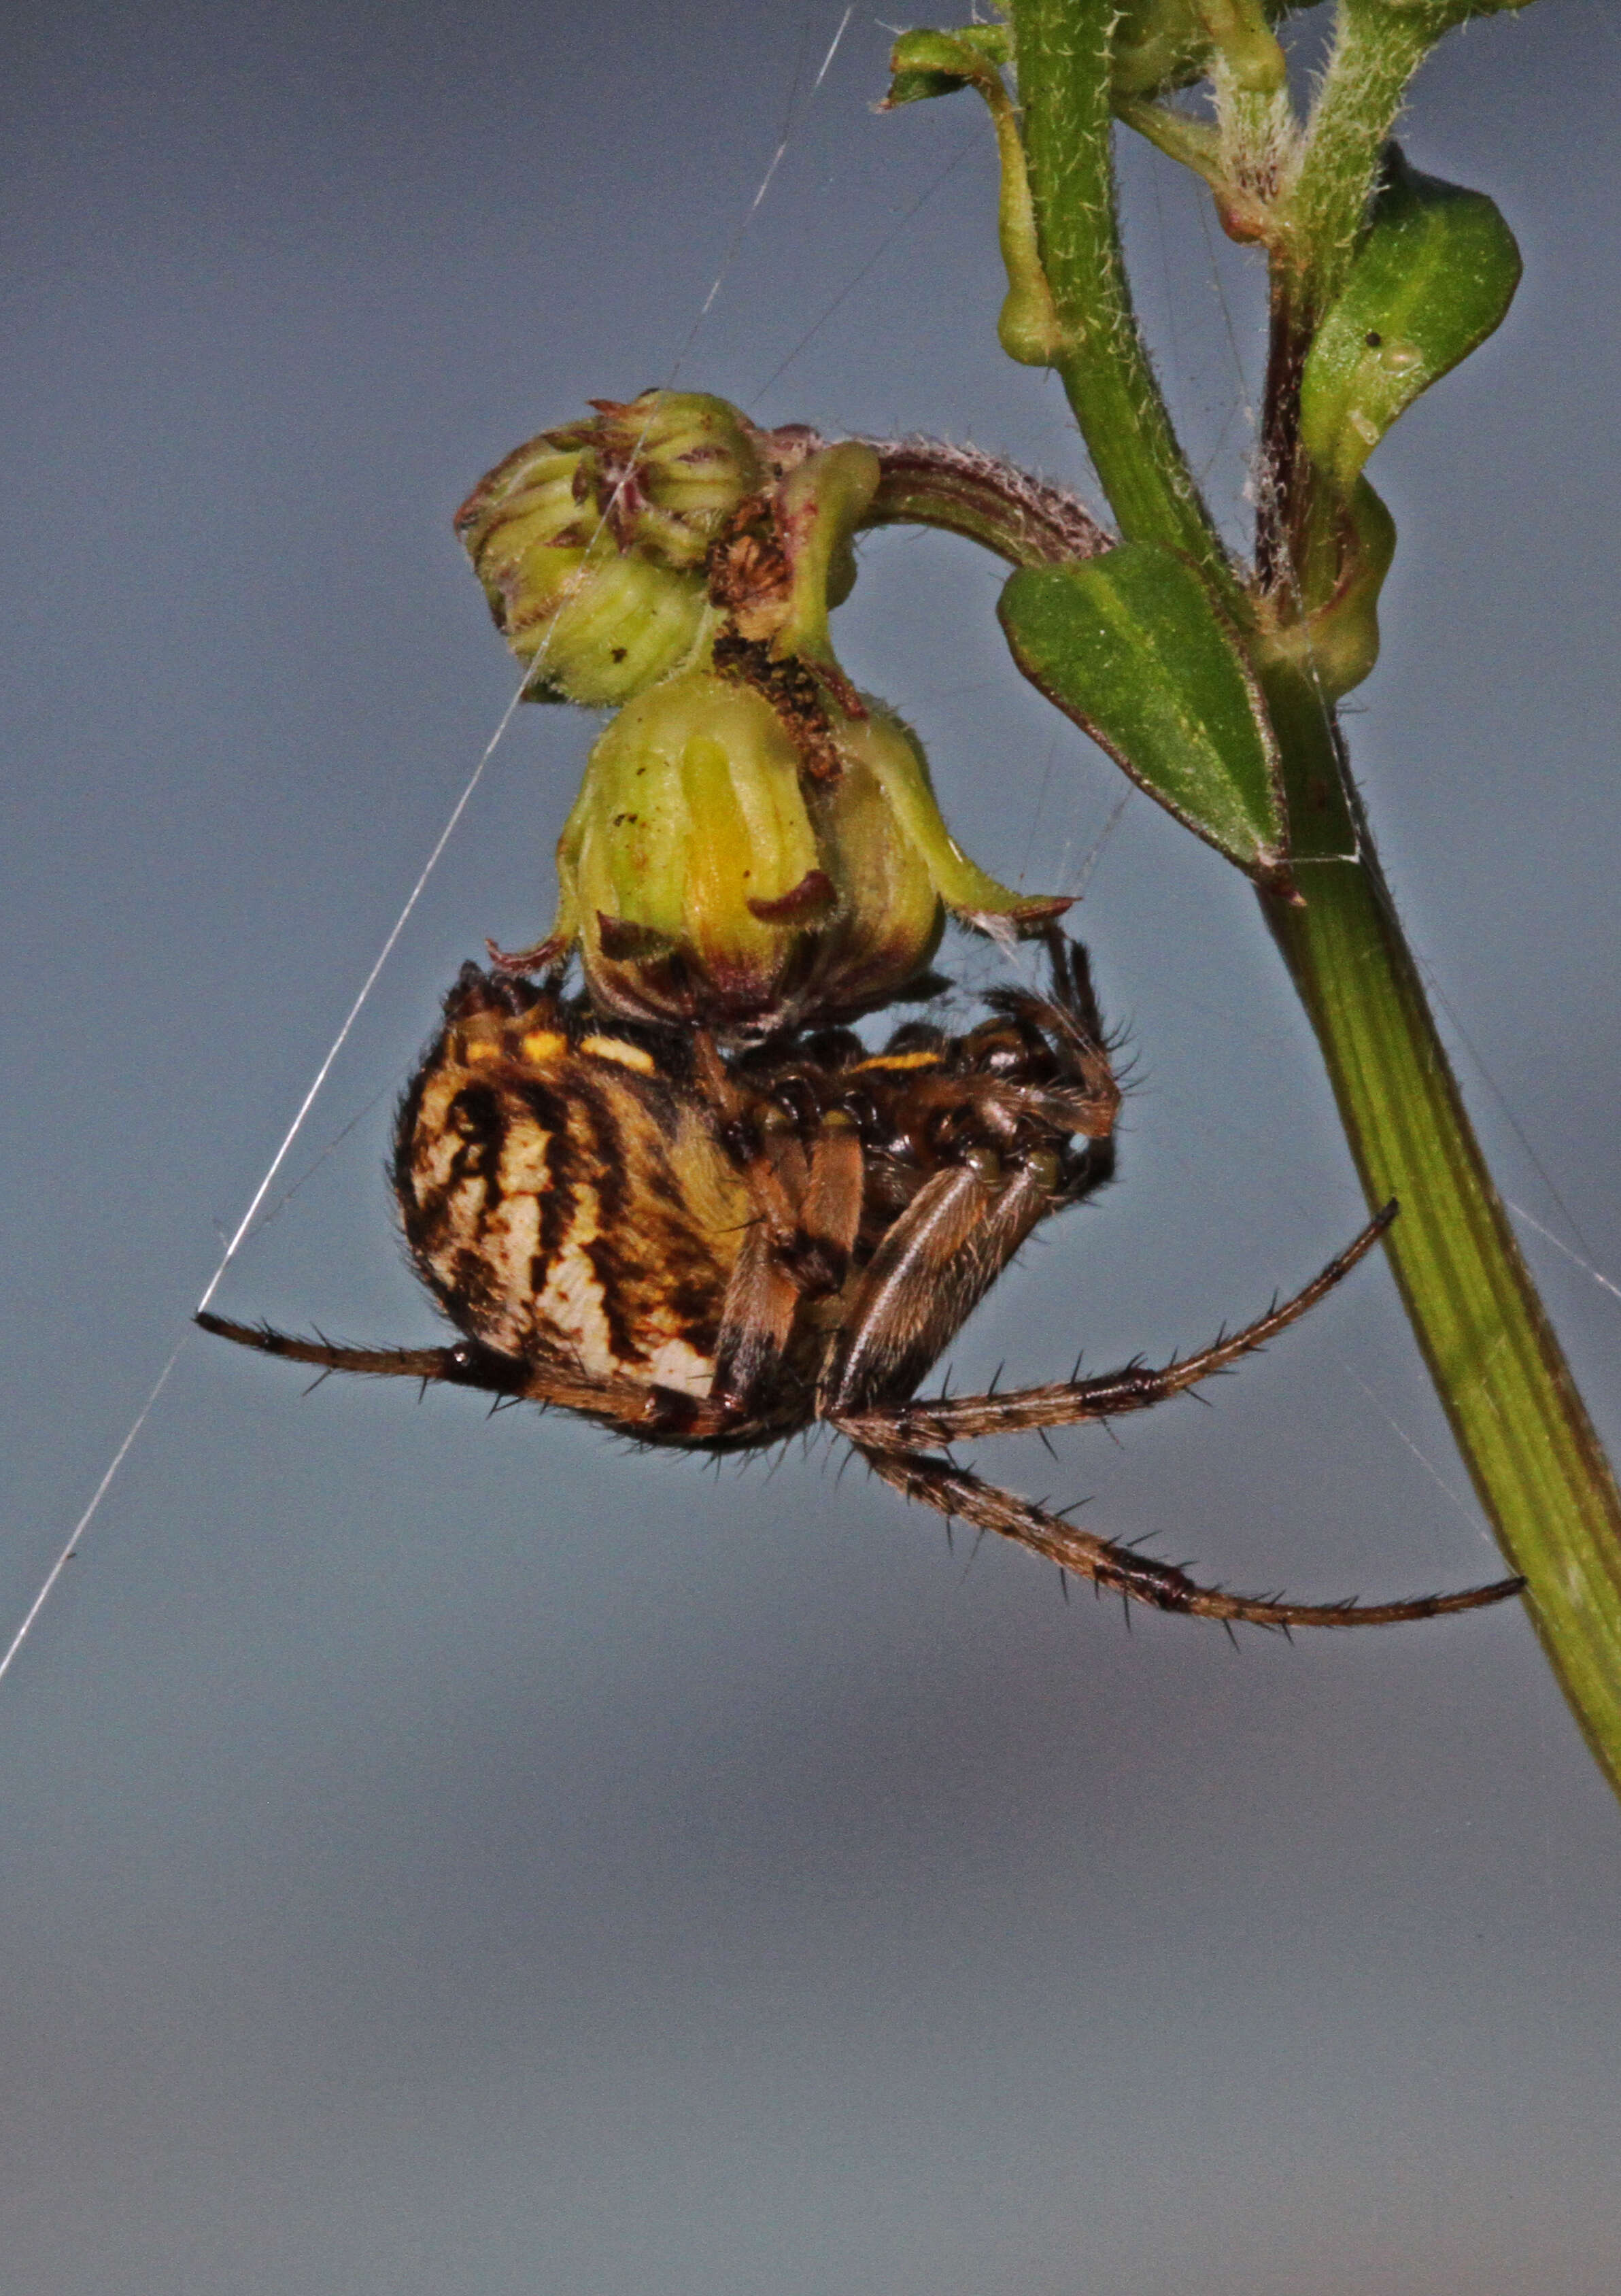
(1063, 48)
(1520, 1422)
(1536, 1462)
(1503, 1380)
(1376, 53)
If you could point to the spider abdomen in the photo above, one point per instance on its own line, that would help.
(563, 1200)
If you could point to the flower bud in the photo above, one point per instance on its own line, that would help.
(590, 541)
(709, 873)
(671, 468)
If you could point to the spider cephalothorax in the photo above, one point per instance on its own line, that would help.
(714, 1251)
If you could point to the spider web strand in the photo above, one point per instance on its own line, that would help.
(245, 1225)
(48, 1585)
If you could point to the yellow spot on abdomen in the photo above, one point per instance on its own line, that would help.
(542, 1045)
(615, 1049)
(898, 1060)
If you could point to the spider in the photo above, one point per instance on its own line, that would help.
(715, 1251)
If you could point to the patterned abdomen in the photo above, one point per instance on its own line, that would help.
(562, 1201)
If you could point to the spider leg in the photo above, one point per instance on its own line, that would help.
(634, 1408)
(1135, 1386)
(465, 1364)
(757, 1321)
(1071, 1019)
(1077, 1001)
(830, 1213)
(758, 1138)
(779, 1266)
(540, 957)
(953, 1491)
(807, 1203)
(934, 1265)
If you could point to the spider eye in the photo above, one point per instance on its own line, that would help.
(868, 1118)
(795, 1095)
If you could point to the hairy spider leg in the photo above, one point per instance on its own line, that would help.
(966, 1224)
(756, 1323)
(809, 1211)
(934, 1265)
(630, 1405)
(1071, 1014)
(956, 1493)
(935, 1424)
(465, 1363)
(885, 1435)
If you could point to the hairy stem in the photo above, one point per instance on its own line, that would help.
(1498, 1370)
(1023, 520)
(1536, 1462)
(1063, 48)
(1375, 54)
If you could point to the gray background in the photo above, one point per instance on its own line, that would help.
(443, 1856)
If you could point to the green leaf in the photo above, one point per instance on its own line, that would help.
(1135, 649)
(1432, 278)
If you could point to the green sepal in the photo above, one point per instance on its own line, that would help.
(820, 508)
(918, 86)
(1156, 45)
(1336, 644)
(924, 64)
(1433, 275)
(1134, 648)
(937, 63)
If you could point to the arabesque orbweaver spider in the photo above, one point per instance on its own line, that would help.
(715, 1250)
